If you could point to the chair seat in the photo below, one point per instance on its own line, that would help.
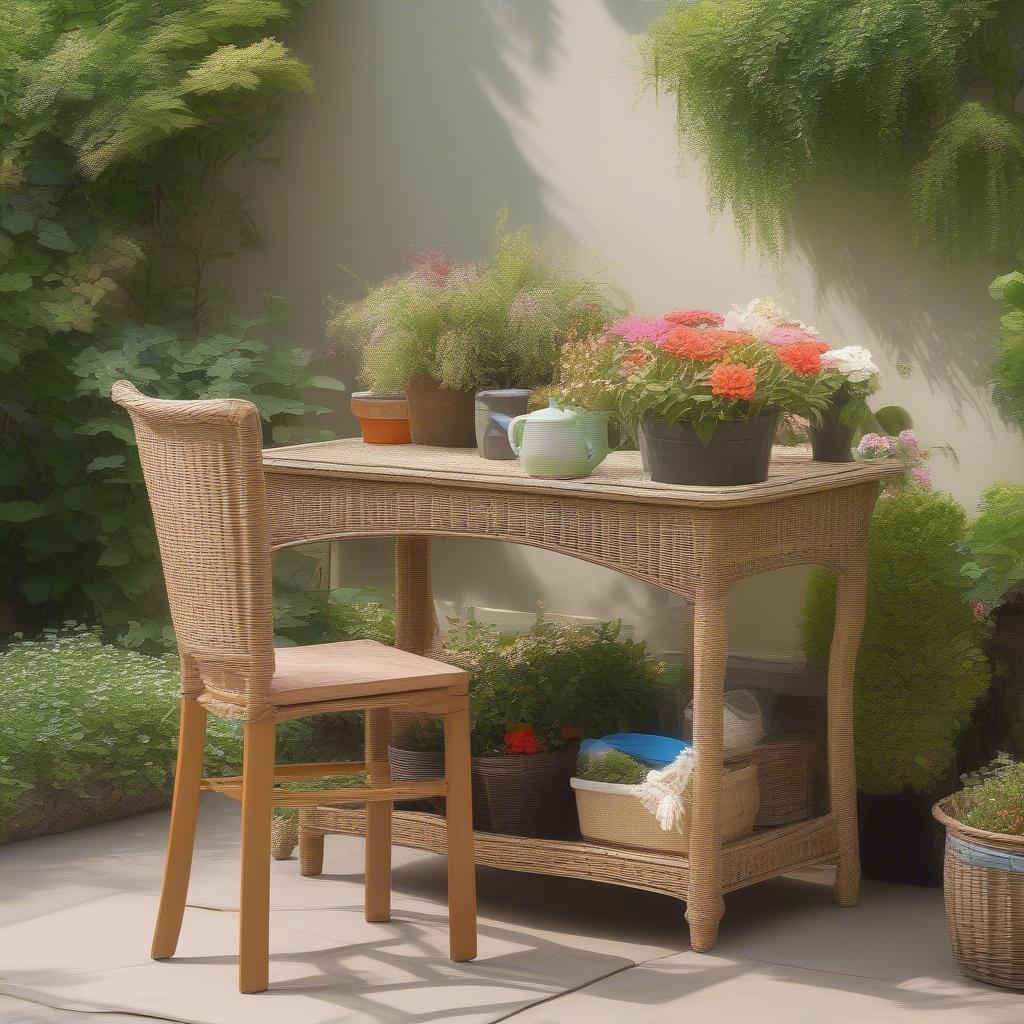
(354, 668)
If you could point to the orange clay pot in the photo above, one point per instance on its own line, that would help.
(383, 418)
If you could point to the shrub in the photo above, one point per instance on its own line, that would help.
(1008, 371)
(426, 735)
(75, 712)
(922, 666)
(997, 805)
(471, 327)
(995, 545)
(561, 679)
(611, 766)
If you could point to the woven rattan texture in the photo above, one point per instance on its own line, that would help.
(984, 906)
(203, 470)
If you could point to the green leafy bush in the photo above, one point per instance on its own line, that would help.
(867, 95)
(995, 545)
(425, 735)
(611, 766)
(119, 119)
(563, 679)
(75, 712)
(1008, 371)
(997, 804)
(922, 665)
(471, 327)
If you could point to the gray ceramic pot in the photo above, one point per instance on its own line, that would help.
(495, 409)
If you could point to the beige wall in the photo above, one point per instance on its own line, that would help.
(433, 113)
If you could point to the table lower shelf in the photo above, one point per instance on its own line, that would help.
(744, 862)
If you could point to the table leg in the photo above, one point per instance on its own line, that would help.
(851, 595)
(414, 599)
(704, 903)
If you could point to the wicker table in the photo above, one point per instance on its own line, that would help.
(697, 542)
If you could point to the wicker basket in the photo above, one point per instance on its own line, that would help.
(525, 794)
(418, 766)
(787, 775)
(984, 886)
(613, 814)
(284, 836)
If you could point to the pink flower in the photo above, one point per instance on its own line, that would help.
(980, 611)
(873, 443)
(431, 265)
(922, 477)
(909, 439)
(640, 328)
(786, 334)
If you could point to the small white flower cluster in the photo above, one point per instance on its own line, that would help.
(760, 317)
(854, 362)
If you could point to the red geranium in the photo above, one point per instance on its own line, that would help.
(690, 343)
(694, 318)
(734, 380)
(521, 739)
(569, 732)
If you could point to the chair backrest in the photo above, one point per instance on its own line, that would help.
(203, 468)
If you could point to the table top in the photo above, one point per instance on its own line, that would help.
(618, 478)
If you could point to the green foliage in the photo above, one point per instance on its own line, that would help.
(471, 327)
(995, 546)
(922, 666)
(611, 766)
(426, 735)
(556, 676)
(321, 616)
(324, 782)
(118, 119)
(996, 767)
(75, 712)
(997, 805)
(1008, 371)
(866, 95)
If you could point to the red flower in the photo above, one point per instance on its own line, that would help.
(635, 360)
(570, 732)
(734, 380)
(694, 318)
(802, 357)
(521, 739)
(691, 343)
(730, 339)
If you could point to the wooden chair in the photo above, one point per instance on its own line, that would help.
(203, 470)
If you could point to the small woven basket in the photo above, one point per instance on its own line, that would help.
(284, 836)
(612, 814)
(984, 888)
(787, 775)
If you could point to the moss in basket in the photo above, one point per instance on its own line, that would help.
(611, 766)
(498, 324)
(997, 805)
(325, 782)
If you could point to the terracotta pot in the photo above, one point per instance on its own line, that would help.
(383, 417)
(739, 452)
(831, 439)
(526, 794)
(441, 417)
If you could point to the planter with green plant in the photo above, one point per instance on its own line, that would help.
(532, 696)
(984, 874)
(921, 670)
(418, 752)
(444, 331)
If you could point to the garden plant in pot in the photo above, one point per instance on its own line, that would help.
(708, 400)
(532, 695)
(444, 331)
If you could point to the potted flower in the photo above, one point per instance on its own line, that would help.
(532, 696)
(444, 331)
(849, 373)
(708, 400)
(984, 875)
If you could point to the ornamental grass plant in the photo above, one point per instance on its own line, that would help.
(472, 326)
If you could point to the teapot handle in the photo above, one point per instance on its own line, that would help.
(515, 445)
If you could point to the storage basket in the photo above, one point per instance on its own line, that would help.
(984, 887)
(787, 775)
(612, 813)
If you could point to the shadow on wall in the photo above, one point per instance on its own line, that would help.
(936, 318)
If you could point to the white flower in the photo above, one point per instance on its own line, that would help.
(854, 362)
(758, 318)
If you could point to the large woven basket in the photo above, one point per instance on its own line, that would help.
(984, 887)
(613, 814)
(525, 794)
(787, 776)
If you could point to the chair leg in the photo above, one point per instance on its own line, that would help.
(181, 838)
(254, 903)
(378, 820)
(459, 820)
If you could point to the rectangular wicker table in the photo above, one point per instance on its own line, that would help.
(697, 542)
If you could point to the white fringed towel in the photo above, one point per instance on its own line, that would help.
(662, 791)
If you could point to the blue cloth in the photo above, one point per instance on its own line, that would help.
(656, 751)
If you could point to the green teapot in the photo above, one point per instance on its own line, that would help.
(552, 443)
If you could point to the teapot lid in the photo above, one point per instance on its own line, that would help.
(552, 415)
